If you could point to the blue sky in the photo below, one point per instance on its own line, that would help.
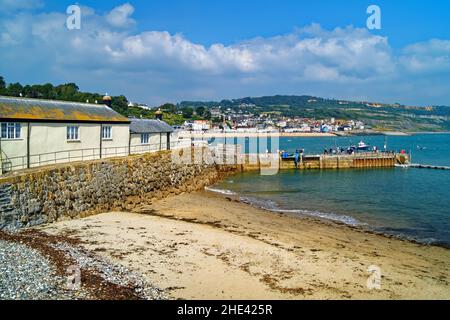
(157, 51)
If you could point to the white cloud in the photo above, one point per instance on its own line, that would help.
(15, 5)
(106, 55)
(120, 17)
(426, 57)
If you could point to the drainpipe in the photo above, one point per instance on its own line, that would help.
(101, 140)
(129, 143)
(160, 141)
(28, 145)
(168, 140)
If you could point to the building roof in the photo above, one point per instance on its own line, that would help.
(149, 126)
(56, 111)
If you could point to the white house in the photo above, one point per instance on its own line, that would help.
(201, 125)
(39, 132)
(149, 135)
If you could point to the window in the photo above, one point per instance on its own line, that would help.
(11, 130)
(145, 138)
(72, 133)
(107, 133)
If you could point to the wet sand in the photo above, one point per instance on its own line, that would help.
(208, 246)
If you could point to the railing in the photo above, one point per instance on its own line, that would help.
(228, 153)
(371, 154)
(66, 156)
(5, 162)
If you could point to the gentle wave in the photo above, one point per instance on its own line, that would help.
(221, 191)
(260, 203)
(273, 206)
(328, 216)
(409, 234)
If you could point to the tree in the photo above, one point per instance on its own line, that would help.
(29, 92)
(14, 89)
(168, 107)
(66, 91)
(188, 112)
(200, 111)
(2, 83)
(120, 105)
(207, 115)
(47, 91)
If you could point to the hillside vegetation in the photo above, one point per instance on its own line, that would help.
(385, 117)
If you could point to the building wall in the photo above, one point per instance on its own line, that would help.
(153, 143)
(14, 148)
(49, 144)
(119, 142)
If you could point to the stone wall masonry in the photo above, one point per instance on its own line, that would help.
(47, 194)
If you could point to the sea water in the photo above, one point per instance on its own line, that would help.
(409, 203)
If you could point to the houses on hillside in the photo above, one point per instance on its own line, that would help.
(40, 132)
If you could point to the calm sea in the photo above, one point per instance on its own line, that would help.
(410, 203)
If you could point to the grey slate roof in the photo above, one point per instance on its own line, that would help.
(53, 110)
(149, 126)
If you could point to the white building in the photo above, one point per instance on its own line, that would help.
(201, 125)
(282, 124)
(40, 132)
(149, 135)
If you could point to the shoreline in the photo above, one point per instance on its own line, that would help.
(256, 134)
(363, 227)
(225, 249)
(208, 135)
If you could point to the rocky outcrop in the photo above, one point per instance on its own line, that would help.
(81, 189)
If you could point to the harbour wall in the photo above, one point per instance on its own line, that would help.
(310, 162)
(66, 191)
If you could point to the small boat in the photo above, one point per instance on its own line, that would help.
(363, 146)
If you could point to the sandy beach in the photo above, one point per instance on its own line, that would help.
(208, 246)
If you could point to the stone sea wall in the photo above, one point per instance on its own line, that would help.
(60, 192)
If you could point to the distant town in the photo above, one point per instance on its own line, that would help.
(301, 114)
(232, 121)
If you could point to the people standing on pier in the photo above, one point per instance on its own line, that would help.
(297, 158)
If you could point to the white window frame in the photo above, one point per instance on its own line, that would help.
(106, 132)
(145, 137)
(73, 133)
(11, 130)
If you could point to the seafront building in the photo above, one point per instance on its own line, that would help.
(149, 135)
(38, 132)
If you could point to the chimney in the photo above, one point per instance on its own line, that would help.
(107, 100)
(159, 115)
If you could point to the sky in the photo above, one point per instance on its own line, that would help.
(168, 51)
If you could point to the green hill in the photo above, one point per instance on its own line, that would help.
(384, 117)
